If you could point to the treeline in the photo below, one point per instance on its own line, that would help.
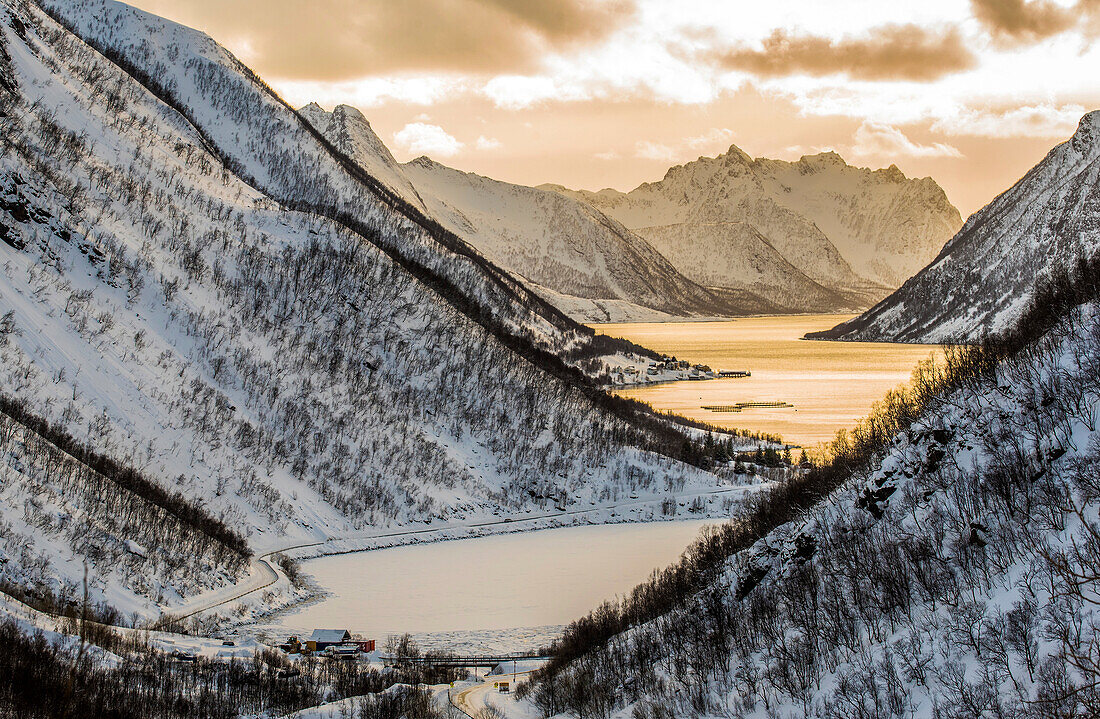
(43, 599)
(1053, 298)
(52, 680)
(125, 479)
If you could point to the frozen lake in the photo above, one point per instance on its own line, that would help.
(501, 593)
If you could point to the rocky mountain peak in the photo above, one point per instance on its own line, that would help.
(892, 174)
(736, 154)
(823, 159)
(1088, 131)
(350, 112)
(978, 285)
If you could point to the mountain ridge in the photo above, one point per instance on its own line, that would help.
(1042, 225)
(843, 248)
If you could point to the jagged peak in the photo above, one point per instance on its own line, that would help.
(312, 107)
(1085, 139)
(351, 112)
(424, 161)
(892, 174)
(823, 159)
(736, 153)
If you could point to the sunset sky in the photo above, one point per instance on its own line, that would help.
(610, 93)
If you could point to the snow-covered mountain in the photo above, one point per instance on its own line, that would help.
(582, 261)
(198, 286)
(984, 276)
(844, 227)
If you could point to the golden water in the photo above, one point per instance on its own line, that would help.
(832, 385)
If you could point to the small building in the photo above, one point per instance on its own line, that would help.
(366, 645)
(321, 639)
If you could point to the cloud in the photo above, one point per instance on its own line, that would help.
(514, 92)
(1044, 120)
(487, 143)
(887, 52)
(345, 39)
(1024, 21)
(420, 138)
(373, 91)
(646, 150)
(609, 155)
(715, 136)
(715, 139)
(878, 140)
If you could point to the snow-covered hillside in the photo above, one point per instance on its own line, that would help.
(351, 133)
(258, 137)
(982, 280)
(953, 575)
(845, 227)
(301, 361)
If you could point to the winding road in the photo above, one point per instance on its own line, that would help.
(475, 699)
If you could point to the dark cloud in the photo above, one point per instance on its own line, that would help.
(344, 39)
(1022, 21)
(889, 52)
(1019, 22)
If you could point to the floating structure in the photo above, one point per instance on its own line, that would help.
(734, 373)
(745, 405)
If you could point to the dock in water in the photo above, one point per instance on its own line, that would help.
(745, 405)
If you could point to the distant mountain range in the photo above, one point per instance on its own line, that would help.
(717, 237)
(985, 275)
(844, 227)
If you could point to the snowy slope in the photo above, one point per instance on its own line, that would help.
(955, 576)
(842, 226)
(982, 279)
(351, 133)
(268, 363)
(267, 144)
